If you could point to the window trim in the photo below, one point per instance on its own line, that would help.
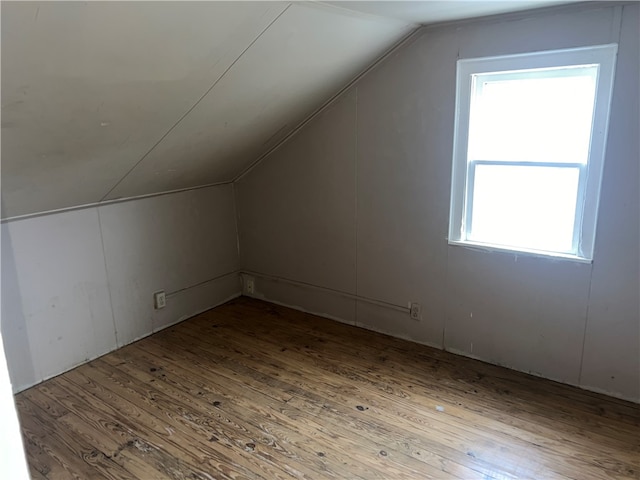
(586, 212)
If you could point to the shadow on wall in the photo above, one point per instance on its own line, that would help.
(13, 327)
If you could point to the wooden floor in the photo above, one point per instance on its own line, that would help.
(251, 390)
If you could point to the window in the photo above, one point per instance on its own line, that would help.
(528, 152)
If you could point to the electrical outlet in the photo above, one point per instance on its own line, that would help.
(414, 311)
(159, 300)
(251, 286)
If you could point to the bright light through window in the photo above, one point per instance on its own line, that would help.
(529, 147)
(533, 119)
(526, 206)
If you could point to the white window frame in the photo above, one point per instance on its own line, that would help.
(590, 174)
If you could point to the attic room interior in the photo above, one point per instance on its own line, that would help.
(350, 239)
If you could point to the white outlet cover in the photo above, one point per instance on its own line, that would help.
(414, 311)
(159, 300)
(250, 285)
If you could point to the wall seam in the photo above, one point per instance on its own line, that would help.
(616, 34)
(355, 219)
(106, 273)
(236, 215)
(447, 274)
(586, 324)
(447, 281)
(111, 202)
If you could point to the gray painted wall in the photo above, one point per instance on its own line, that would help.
(78, 284)
(349, 217)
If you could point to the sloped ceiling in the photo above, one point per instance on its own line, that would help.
(105, 100)
(102, 100)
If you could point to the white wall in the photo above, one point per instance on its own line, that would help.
(13, 463)
(351, 215)
(78, 284)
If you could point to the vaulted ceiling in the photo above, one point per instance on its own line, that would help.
(105, 100)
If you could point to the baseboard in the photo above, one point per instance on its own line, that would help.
(305, 298)
(347, 308)
(344, 307)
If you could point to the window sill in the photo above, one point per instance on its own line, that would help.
(489, 247)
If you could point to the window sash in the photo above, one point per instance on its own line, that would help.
(578, 70)
(582, 177)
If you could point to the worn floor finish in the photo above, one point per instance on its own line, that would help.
(251, 390)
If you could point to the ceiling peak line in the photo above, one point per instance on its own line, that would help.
(154, 146)
(404, 41)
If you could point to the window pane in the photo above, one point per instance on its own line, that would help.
(533, 119)
(527, 207)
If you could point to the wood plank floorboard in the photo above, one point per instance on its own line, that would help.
(257, 391)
